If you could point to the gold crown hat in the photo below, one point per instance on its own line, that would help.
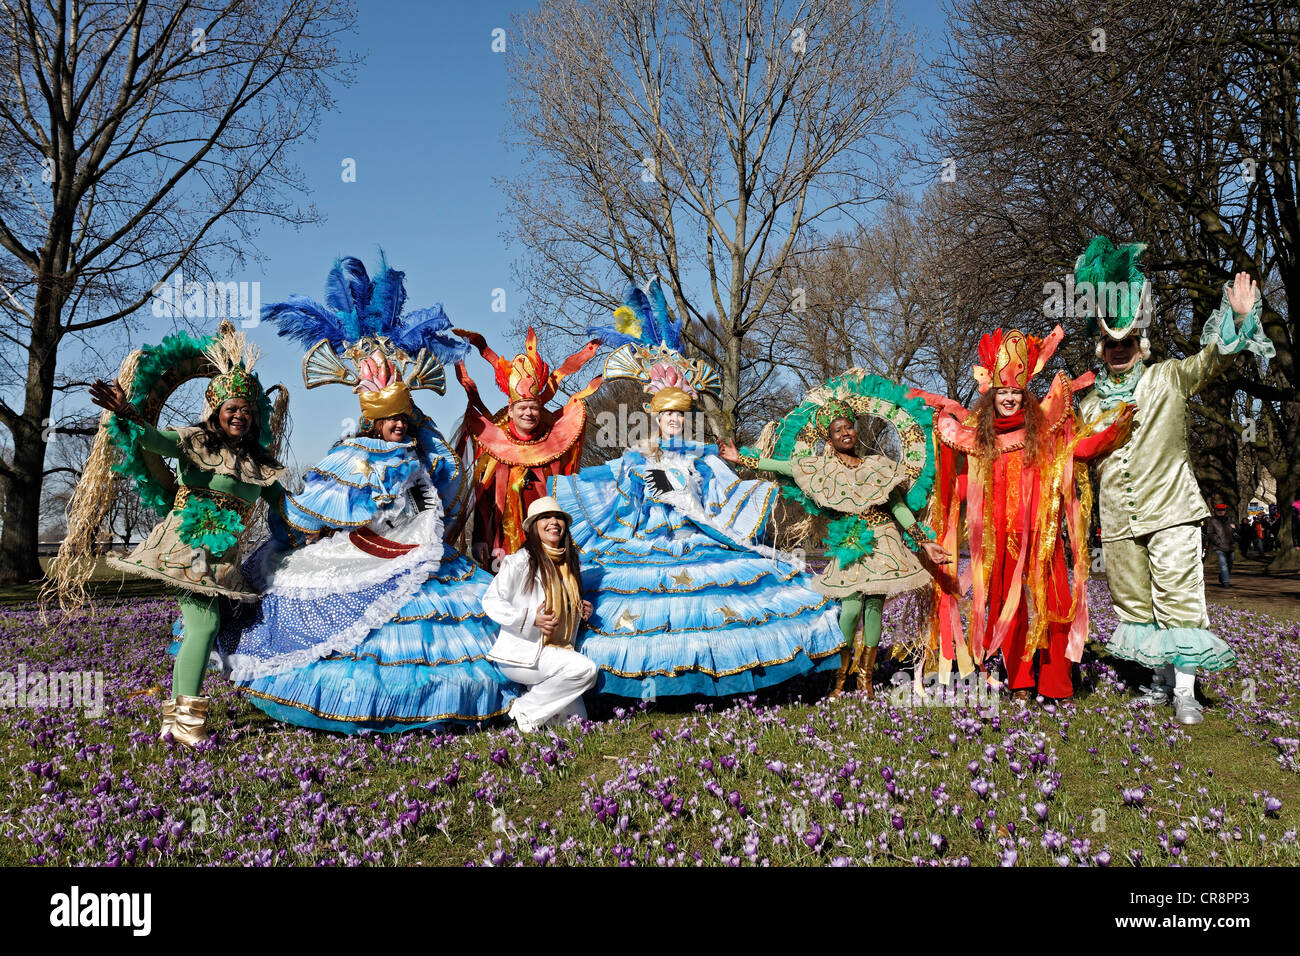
(381, 391)
(233, 357)
(647, 348)
(670, 398)
(1010, 358)
(390, 354)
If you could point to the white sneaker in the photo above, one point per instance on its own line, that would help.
(1187, 709)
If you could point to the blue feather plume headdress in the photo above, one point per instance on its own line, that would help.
(362, 320)
(647, 345)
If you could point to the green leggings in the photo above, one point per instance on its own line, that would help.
(202, 615)
(866, 608)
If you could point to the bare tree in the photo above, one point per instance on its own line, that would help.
(1176, 122)
(697, 140)
(145, 137)
(127, 514)
(66, 457)
(878, 298)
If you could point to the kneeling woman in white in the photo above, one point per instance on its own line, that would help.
(536, 597)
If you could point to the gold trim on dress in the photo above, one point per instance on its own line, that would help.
(703, 587)
(330, 522)
(474, 718)
(436, 616)
(727, 673)
(407, 662)
(409, 445)
(365, 486)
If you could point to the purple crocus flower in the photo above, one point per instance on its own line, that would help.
(813, 838)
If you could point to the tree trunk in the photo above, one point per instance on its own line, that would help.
(19, 560)
(1215, 449)
(1288, 557)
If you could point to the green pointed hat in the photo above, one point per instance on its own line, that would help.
(1118, 287)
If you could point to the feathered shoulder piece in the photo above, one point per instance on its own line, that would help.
(357, 477)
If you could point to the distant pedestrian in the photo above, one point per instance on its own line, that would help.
(1221, 533)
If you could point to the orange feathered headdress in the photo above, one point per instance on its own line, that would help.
(526, 375)
(1011, 359)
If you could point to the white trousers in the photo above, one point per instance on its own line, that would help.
(556, 683)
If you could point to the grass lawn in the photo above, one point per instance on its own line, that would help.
(106, 585)
(784, 778)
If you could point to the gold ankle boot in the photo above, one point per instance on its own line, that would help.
(866, 671)
(168, 718)
(846, 655)
(191, 724)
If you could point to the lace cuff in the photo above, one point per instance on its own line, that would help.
(1221, 329)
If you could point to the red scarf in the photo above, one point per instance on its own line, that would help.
(1009, 423)
(514, 433)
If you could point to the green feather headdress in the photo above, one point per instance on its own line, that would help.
(1117, 287)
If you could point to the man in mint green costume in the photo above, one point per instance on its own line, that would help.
(1151, 506)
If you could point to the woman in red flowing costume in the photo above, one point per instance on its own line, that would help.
(1019, 465)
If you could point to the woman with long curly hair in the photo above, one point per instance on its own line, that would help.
(1024, 474)
(1003, 410)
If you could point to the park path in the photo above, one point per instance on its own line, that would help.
(1254, 590)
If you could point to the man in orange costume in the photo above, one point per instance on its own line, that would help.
(1025, 472)
(517, 448)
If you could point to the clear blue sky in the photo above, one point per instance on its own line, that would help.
(424, 122)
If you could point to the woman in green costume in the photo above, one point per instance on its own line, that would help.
(873, 549)
(225, 465)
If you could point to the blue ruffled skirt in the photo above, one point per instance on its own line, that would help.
(395, 654)
(689, 615)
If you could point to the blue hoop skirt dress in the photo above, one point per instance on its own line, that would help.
(379, 627)
(686, 600)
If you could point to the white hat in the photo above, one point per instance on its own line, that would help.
(545, 506)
